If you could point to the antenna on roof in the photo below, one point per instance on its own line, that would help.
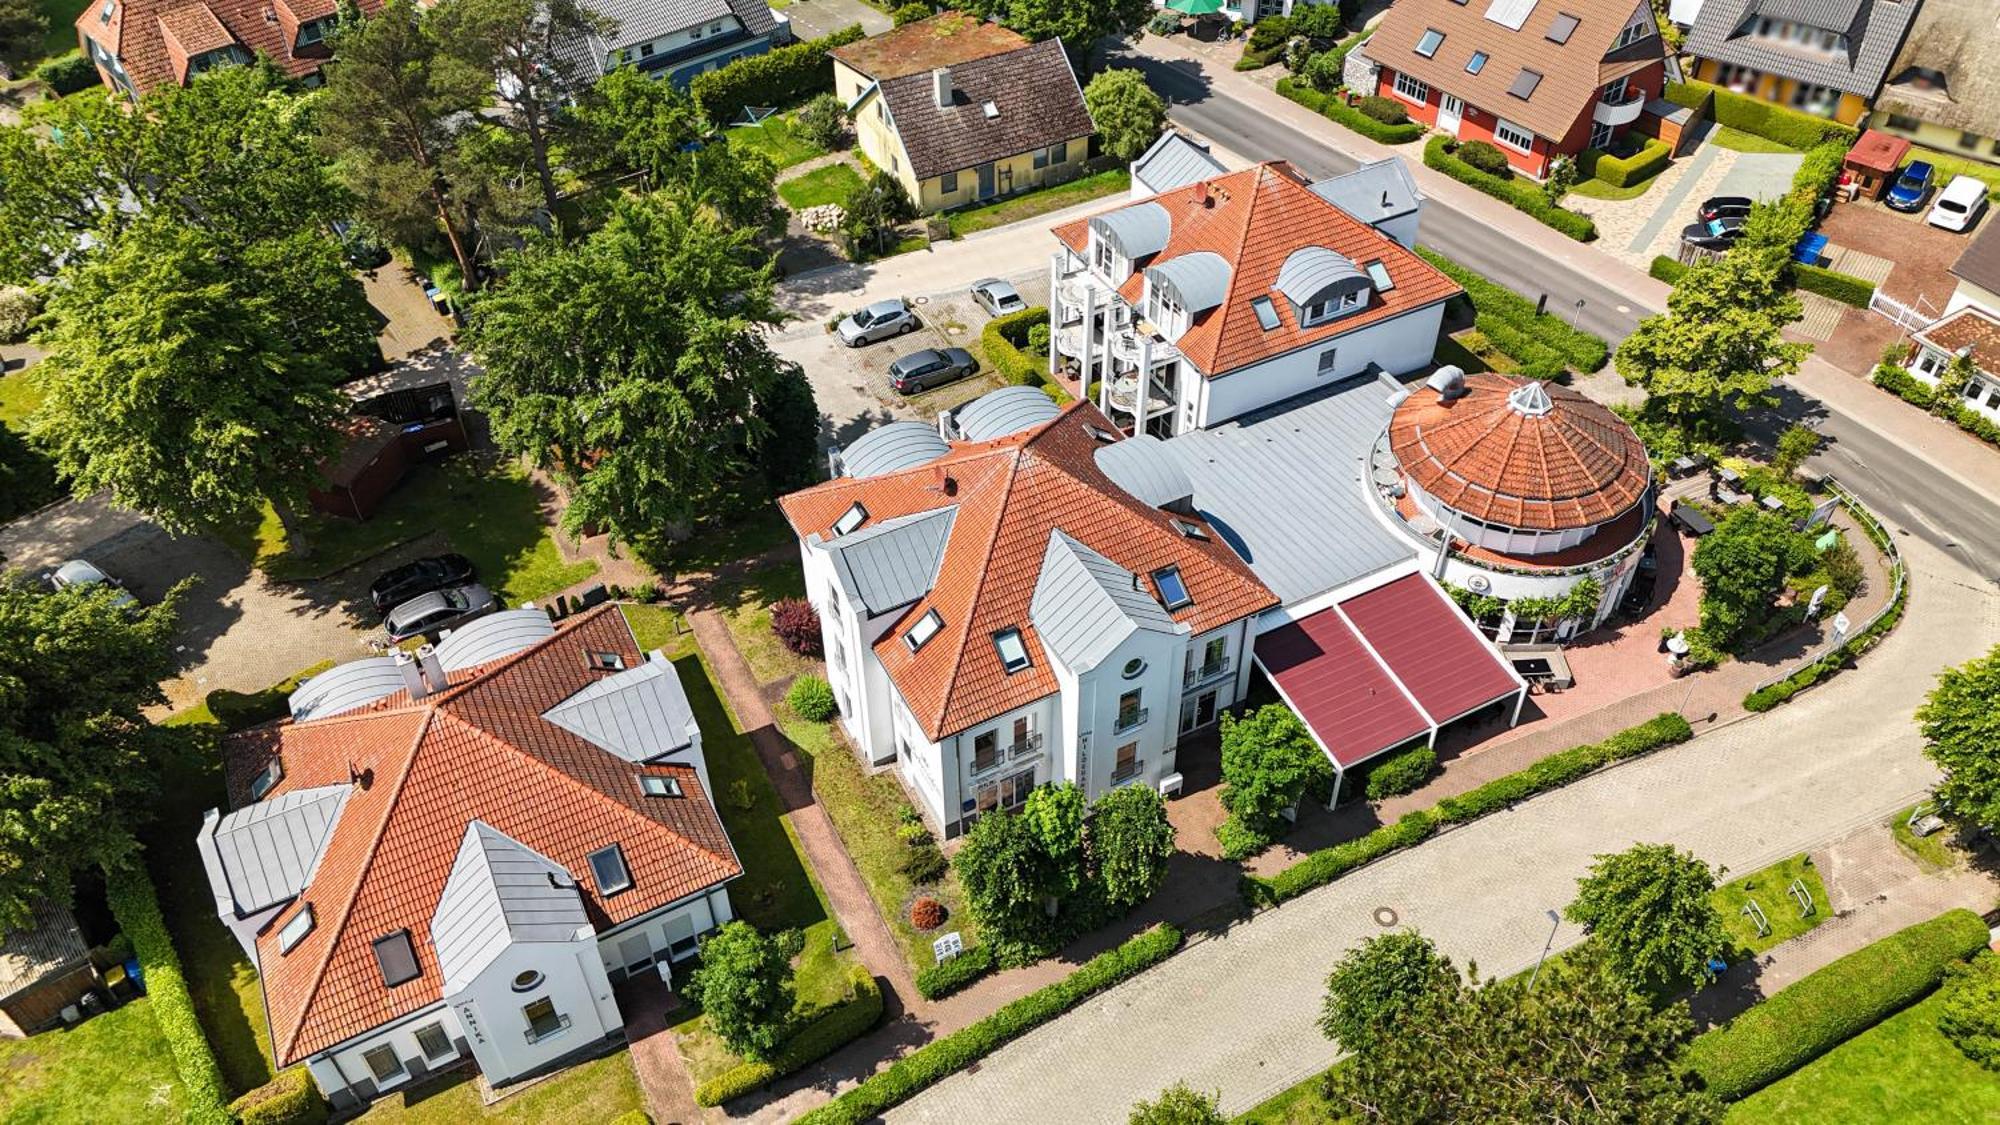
(358, 777)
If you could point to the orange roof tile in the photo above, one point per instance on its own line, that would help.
(477, 750)
(154, 39)
(1254, 219)
(1011, 494)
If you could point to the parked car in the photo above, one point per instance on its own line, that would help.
(1911, 187)
(1959, 205)
(878, 321)
(401, 584)
(931, 367)
(1715, 234)
(1724, 207)
(82, 572)
(997, 297)
(425, 614)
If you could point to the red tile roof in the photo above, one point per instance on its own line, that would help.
(1254, 219)
(477, 750)
(153, 39)
(1577, 466)
(1011, 494)
(1969, 327)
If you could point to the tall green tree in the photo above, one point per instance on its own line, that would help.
(744, 987)
(1381, 982)
(1078, 23)
(395, 108)
(790, 458)
(1268, 760)
(630, 123)
(1652, 910)
(22, 26)
(1008, 882)
(1129, 115)
(1960, 720)
(1581, 1046)
(178, 382)
(629, 362)
(79, 764)
(1055, 814)
(1742, 566)
(1179, 1104)
(1130, 842)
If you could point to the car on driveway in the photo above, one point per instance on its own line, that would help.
(1715, 234)
(1912, 186)
(425, 614)
(878, 321)
(1724, 207)
(82, 572)
(997, 297)
(401, 584)
(931, 367)
(1959, 205)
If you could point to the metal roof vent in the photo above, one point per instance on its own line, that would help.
(1448, 381)
(1531, 399)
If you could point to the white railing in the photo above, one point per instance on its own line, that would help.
(1906, 317)
(1205, 673)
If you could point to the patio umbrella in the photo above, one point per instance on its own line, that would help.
(1195, 7)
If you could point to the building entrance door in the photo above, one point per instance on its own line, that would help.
(1450, 111)
(986, 186)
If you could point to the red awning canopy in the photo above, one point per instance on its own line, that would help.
(1877, 152)
(1384, 667)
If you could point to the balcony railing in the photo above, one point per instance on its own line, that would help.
(1007, 755)
(1621, 110)
(1131, 719)
(1206, 672)
(548, 1030)
(1125, 773)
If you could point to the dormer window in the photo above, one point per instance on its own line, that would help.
(1330, 306)
(267, 779)
(926, 627)
(659, 785)
(1173, 589)
(1190, 530)
(1012, 649)
(296, 929)
(1641, 27)
(852, 518)
(607, 866)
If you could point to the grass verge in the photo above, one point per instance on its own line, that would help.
(746, 602)
(19, 396)
(1040, 201)
(1932, 852)
(1769, 890)
(1736, 140)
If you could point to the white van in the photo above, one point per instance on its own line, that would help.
(1959, 204)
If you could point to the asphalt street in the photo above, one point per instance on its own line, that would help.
(1902, 490)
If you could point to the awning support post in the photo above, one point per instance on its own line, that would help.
(1339, 778)
(1520, 698)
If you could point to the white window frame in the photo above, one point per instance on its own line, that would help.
(1640, 27)
(437, 1026)
(267, 779)
(1328, 363)
(921, 633)
(1419, 92)
(296, 929)
(383, 1081)
(1502, 126)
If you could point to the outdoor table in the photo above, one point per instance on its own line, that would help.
(1773, 504)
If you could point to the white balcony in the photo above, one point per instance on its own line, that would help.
(1623, 110)
(1125, 395)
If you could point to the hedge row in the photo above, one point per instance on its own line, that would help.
(1910, 389)
(942, 1058)
(1845, 288)
(1666, 269)
(783, 77)
(1833, 1005)
(68, 74)
(1629, 170)
(1755, 116)
(1327, 864)
(824, 1033)
(292, 1098)
(1004, 339)
(1543, 345)
(1335, 109)
(1402, 773)
(1524, 195)
(129, 891)
(934, 982)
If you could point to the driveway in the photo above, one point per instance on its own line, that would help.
(814, 18)
(1638, 230)
(238, 630)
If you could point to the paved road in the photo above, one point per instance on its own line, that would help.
(1236, 1013)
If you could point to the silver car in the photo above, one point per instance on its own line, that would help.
(997, 297)
(81, 572)
(424, 615)
(878, 321)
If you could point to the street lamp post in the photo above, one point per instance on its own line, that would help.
(1555, 921)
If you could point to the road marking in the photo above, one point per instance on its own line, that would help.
(1624, 308)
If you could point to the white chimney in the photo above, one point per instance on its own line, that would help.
(941, 86)
(433, 668)
(413, 676)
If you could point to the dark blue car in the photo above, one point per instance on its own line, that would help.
(1911, 188)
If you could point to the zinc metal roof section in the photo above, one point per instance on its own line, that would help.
(1373, 193)
(494, 636)
(500, 892)
(345, 687)
(895, 562)
(269, 849)
(1009, 410)
(1142, 466)
(1085, 605)
(1198, 281)
(638, 714)
(1135, 232)
(1310, 271)
(885, 449)
(1174, 161)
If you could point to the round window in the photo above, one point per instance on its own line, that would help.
(527, 981)
(1134, 667)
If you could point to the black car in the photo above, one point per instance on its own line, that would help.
(931, 367)
(1715, 234)
(405, 582)
(1724, 207)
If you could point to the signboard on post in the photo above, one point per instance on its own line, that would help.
(1822, 512)
(1818, 598)
(947, 947)
(1840, 627)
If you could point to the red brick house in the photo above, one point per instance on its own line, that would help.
(1537, 79)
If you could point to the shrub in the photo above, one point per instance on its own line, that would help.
(1004, 339)
(1403, 773)
(1270, 34)
(1762, 118)
(811, 698)
(925, 864)
(68, 74)
(944, 1057)
(1038, 340)
(1388, 111)
(1325, 72)
(910, 13)
(934, 982)
(1542, 344)
(292, 1098)
(914, 832)
(1845, 288)
(796, 623)
(1378, 131)
(129, 892)
(1666, 269)
(823, 1033)
(1970, 1015)
(1629, 170)
(18, 306)
(781, 77)
(927, 914)
(1321, 22)
(1486, 158)
(1239, 840)
(1523, 197)
(1899, 382)
(823, 121)
(1832, 1005)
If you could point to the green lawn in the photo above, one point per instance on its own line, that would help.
(1302, 1104)
(19, 396)
(598, 1090)
(820, 979)
(1767, 888)
(1933, 852)
(489, 512)
(746, 605)
(1040, 201)
(660, 627)
(114, 1067)
(776, 137)
(831, 184)
(1902, 1069)
(1741, 141)
(61, 36)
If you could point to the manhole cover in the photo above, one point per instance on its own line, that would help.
(921, 301)
(1384, 916)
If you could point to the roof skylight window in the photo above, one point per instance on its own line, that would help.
(1476, 63)
(659, 785)
(267, 779)
(607, 866)
(396, 957)
(1428, 44)
(1267, 316)
(295, 931)
(1190, 530)
(1379, 275)
(1173, 589)
(601, 661)
(1525, 83)
(1102, 434)
(1563, 27)
(852, 518)
(1013, 650)
(926, 627)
